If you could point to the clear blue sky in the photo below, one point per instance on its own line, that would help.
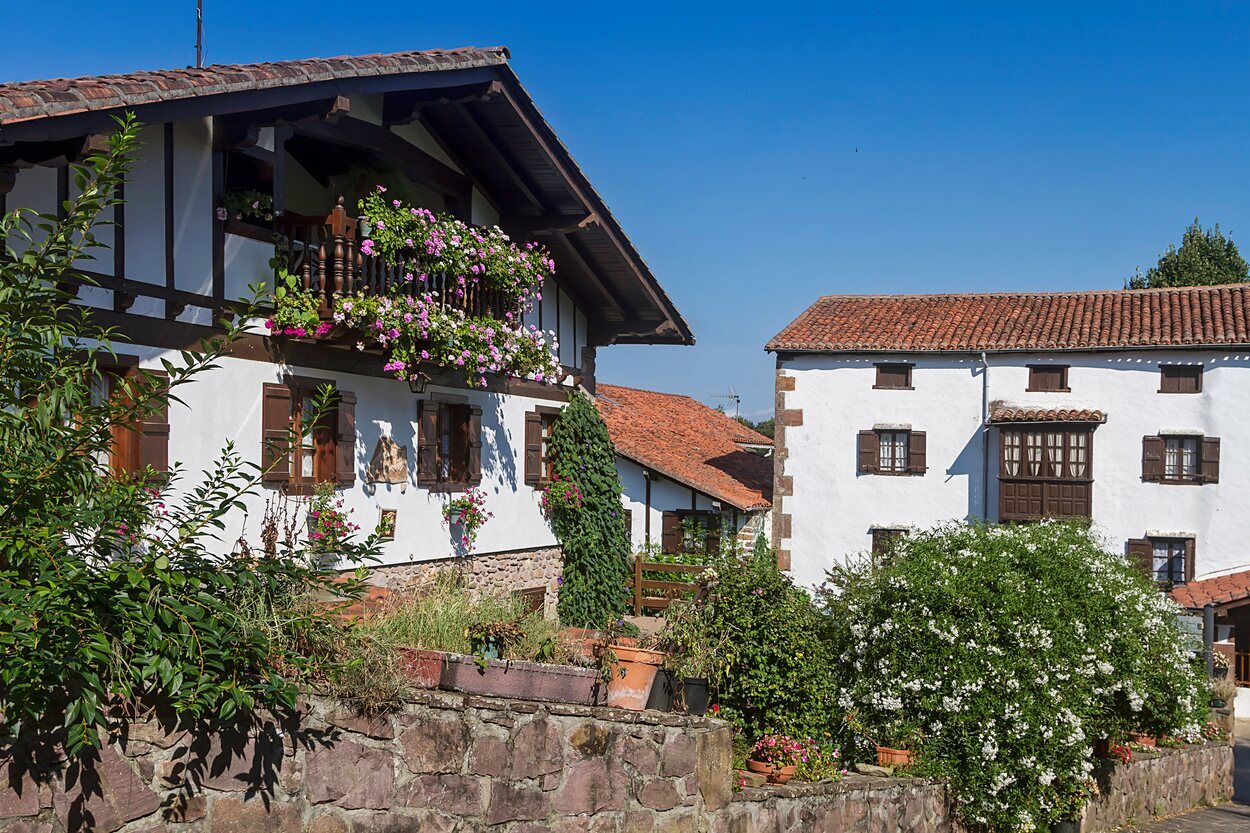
(763, 154)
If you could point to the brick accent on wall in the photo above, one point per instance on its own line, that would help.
(783, 484)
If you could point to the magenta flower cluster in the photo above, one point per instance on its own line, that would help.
(469, 513)
(783, 750)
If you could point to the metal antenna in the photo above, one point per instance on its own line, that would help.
(199, 33)
(733, 397)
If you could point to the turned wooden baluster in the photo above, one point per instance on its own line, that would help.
(338, 225)
(305, 256)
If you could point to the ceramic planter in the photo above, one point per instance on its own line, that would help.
(424, 669)
(670, 693)
(888, 756)
(633, 674)
(490, 647)
(523, 680)
(775, 775)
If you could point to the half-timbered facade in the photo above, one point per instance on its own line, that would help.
(242, 164)
(1118, 407)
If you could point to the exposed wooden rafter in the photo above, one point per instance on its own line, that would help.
(583, 260)
(545, 224)
(52, 154)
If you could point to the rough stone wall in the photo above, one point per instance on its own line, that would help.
(449, 762)
(502, 572)
(1162, 783)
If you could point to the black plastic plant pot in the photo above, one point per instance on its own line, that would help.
(688, 696)
(1067, 826)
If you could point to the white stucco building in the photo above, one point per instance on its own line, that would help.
(691, 475)
(1124, 407)
(450, 130)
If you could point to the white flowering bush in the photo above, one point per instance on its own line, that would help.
(1004, 654)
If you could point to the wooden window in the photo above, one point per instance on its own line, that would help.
(884, 539)
(297, 452)
(1048, 377)
(539, 465)
(1168, 561)
(134, 448)
(533, 599)
(1180, 459)
(892, 451)
(1180, 378)
(1045, 473)
(689, 531)
(449, 445)
(628, 516)
(893, 377)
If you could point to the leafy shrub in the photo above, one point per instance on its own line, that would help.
(592, 534)
(113, 589)
(1009, 650)
(775, 671)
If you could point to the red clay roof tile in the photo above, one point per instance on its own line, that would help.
(25, 100)
(1182, 316)
(1046, 415)
(688, 442)
(1216, 591)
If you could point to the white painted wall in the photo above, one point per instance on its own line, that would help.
(193, 206)
(224, 404)
(666, 496)
(833, 507)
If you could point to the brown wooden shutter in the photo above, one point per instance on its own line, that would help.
(533, 448)
(1152, 459)
(1141, 555)
(916, 453)
(345, 439)
(1210, 459)
(869, 451)
(670, 526)
(1189, 559)
(475, 445)
(154, 431)
(427, 442)
(275, 433)
(629, 525)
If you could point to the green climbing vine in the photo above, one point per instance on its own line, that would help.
(591, 531)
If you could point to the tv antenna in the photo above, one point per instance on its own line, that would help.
(733, 397)
(199, 33)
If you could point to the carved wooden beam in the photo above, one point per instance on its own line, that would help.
(521, 225)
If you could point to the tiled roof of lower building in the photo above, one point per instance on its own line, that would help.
(690, 443)
(1046, 415)
(1218, 591)
(1181, 316)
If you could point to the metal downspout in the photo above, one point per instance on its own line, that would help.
(985, 438)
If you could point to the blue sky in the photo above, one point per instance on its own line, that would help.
(763, 154)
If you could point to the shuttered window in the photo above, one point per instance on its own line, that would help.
(300, 448)
(1181, 459)
(1168, 561)
(539, 464)
(884, 539)
(1048, 377)
(449, 445)
(892, 451)
(1180, 378)
(691, 532)
(1045, 473)
(893, 376)
(135, 448)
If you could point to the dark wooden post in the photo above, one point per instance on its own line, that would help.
(637, 585)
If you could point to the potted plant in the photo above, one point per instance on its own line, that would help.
(695, 656)
(628, 667)
(1219, 662)
(492, 640)
(777, 757)
(896, 744)
(466, 515)
(329, 523)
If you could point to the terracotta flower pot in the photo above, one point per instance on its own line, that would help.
(888, 756)
(633, 674)
(774, 774)
(1144, 740)
(424, 669)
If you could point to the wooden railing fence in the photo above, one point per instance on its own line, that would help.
(663, 591)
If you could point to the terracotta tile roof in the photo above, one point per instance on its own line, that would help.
(688, 442)
(1022, 321)
(1046, 415)
(25, 100)
(1220, 590)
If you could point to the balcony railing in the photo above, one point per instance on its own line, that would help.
(324, 253)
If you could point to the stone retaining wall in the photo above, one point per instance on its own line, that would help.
(496, 572)
(1162, 783)
(449, 762)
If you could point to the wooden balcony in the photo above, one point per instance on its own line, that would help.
(324, 253)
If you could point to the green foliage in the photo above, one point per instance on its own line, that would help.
(765, 427)
(592, 536)
(1205, 258)
(114, 592)
(775, 669)
(1002, 653)
(445, 615)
